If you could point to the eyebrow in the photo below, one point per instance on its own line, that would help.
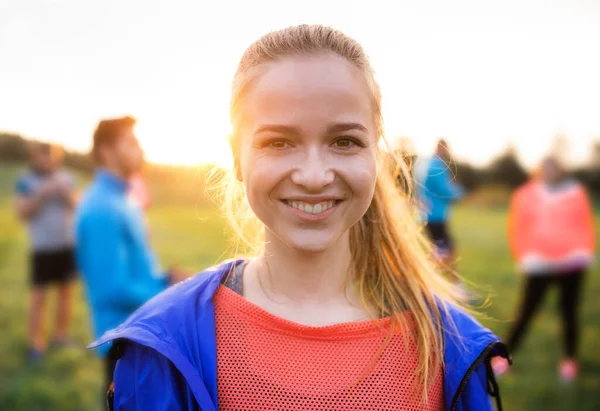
(335, 128)
(276, 128)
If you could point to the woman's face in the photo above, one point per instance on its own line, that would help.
(551, 171)
(307, 150)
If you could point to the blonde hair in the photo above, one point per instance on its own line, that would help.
(391, 258)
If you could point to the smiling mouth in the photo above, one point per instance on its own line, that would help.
(314, 209)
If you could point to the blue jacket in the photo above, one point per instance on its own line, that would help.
(113, 254)
(168, 353)
(436, 189)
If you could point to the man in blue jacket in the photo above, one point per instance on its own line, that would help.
(437, 190)
(113, 253)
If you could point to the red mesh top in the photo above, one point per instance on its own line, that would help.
(267, 363)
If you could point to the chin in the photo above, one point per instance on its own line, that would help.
(311, 243)
(309, 248)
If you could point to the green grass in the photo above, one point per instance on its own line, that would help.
(193, 237)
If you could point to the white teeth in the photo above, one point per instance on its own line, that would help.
(312, 208)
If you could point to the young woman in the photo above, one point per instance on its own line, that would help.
(340, 307)
(551, 232)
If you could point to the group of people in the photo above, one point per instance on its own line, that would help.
(340, 307)
(106, 239)
(551, 234)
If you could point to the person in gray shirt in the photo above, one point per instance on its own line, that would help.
(44, 200)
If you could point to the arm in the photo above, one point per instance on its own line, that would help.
(477, 395)
(69, 196)
(66, 189)
(113, 276)
(588, 218)
(146, 380)
(517, 225)
(27, 207)
(26, 202)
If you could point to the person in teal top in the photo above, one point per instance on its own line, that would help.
(437, 191)
(117, 264)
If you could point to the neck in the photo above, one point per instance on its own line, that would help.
(41, 171)
(301, 276)
(554, 182)
(116, 171)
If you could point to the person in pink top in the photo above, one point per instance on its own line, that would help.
(551, 235)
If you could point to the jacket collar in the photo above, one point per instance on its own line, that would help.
(111, 181)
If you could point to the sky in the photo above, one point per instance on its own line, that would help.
(482, 74)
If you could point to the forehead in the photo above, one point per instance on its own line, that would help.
(41, 149)
(309, 89)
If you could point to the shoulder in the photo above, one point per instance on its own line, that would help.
(527, 189)
(96, 202)
(577, 187)
(26, 175)
(96, 208)
(437, 164)
(463, 332)
(24, 183)
(162, 380)
(468, 348)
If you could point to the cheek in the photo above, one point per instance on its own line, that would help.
(360, 173)
(132, 154)
(121, 152)
(261, 175)
(366, 181)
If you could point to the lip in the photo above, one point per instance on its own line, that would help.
(312, 217)
(313, 199)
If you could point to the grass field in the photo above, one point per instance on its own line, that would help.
(70, 379)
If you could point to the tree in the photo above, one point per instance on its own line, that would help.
(13, 148)
(468, 176)
(507, 170)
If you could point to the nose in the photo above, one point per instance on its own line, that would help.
(313, 171)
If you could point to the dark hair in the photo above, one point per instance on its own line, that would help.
(107, 132)
(55, 151)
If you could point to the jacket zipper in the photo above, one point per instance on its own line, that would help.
(486, 351)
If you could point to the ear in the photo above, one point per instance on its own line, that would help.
(236, 159)
(238, 170)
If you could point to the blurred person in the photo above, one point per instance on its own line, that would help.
(45, 197)
(117, 264)
(551, 234)
(437, 190)
(340, 307)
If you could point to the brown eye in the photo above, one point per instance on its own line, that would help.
(344, 142)
(277, 144)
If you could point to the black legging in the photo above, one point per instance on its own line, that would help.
(535, 289)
